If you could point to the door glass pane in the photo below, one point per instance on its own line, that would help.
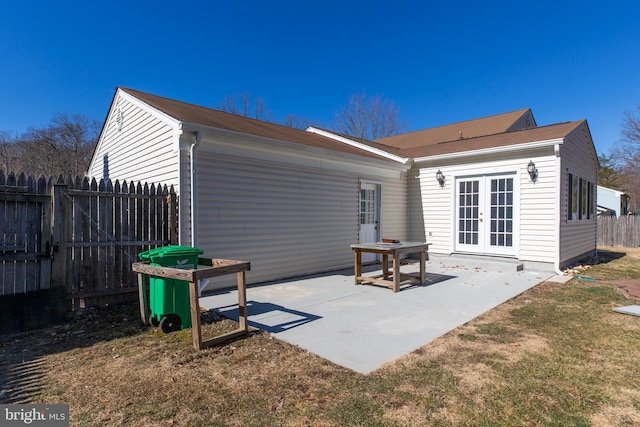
(367, 206)
(501, 233)
(468, 227)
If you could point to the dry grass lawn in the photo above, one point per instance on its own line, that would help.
(555, 355)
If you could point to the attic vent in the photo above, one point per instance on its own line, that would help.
(118, 119)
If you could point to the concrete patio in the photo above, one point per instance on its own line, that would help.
(363, 327)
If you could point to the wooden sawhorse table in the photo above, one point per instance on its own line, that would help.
(395, 250)
(208, 268)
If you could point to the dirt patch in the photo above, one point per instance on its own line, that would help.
(630, 288)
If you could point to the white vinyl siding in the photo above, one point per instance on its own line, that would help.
(538, 210)
(415, 208)
(144, 149)
(394, 224)
(431, 209)
(533, 217)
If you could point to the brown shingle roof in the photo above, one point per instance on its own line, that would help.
(541, 133)
(468, 129)
(203, 116)
(478, 134)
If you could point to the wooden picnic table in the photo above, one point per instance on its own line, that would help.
(207, 268)
(392, 280)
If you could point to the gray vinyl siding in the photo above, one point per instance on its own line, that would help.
(578, 238)
(525, 122)
(184, 199)
(143, 150)
(286, 221)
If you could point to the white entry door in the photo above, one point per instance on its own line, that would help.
(369, 217)
(485, 214)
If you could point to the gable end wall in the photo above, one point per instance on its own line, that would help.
(578, 157)
(144, 149)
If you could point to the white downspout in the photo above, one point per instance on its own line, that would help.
(558, 189)
(194, 205)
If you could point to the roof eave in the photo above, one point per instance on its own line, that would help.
(194, 127)
(493, 150)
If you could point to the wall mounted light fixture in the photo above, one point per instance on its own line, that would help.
(533, 172)
(440, 178)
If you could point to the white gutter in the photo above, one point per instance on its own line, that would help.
(493, 150)
(365, 147)
(194, 205)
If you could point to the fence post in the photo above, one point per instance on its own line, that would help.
(59, 223)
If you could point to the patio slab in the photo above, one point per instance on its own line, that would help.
(363, 327)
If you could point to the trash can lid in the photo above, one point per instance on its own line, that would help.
(171, 250)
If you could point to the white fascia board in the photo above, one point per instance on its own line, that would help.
(494, 150)
(365, 147)
(226, 142)
(160, 115)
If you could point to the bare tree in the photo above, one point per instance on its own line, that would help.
(627, 155)
(369, 117)
(631, 127)
(62, 148)
(242, 105)
(298, 122)
(9, 153)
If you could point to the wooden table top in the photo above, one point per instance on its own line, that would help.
(391, 246)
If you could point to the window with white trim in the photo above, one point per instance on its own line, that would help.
(581, 197)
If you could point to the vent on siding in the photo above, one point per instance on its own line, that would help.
(118, 119)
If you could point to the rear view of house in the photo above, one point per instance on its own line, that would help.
(293, 201)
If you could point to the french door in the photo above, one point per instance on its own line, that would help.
(485, 212)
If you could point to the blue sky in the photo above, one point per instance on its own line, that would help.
(439, 62)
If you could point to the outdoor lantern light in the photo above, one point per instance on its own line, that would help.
(440, 178)
(533, 172)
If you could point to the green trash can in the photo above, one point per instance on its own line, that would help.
(169, 298)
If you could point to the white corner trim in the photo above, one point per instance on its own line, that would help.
(403, 160)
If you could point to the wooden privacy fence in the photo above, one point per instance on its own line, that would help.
(25, 223)
(79, 235)
(623, 231)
